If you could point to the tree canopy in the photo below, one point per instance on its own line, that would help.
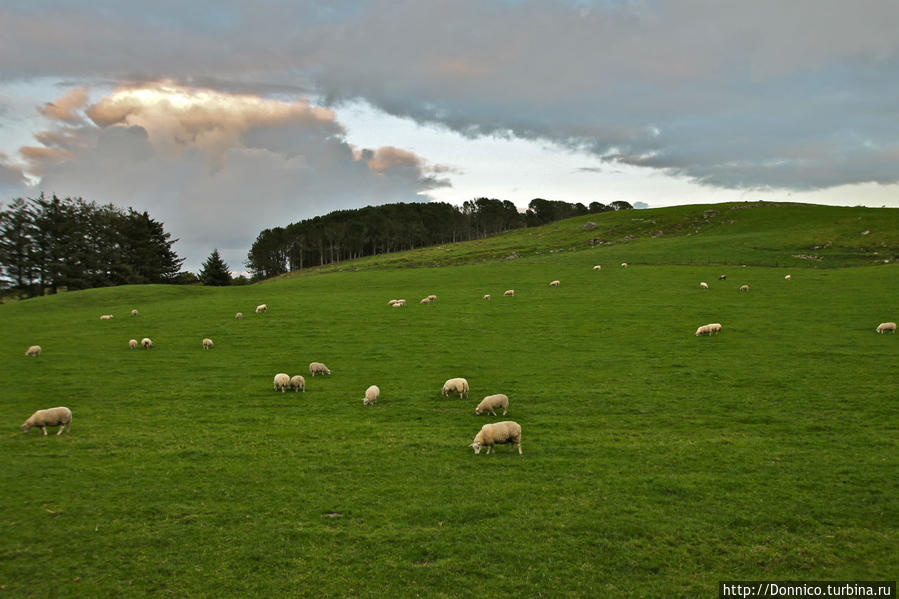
(215, 271)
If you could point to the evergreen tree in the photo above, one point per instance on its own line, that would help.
(215, 271)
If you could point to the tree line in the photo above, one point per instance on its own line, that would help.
(50, 243)
(349, 234)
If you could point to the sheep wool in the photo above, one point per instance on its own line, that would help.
(424, 300)
(34, 350)
(371, 396)
(597, 267)
(298, 383)
(509, 292)
(61, 417)
(281, 382)
(704, 285)
(238, 316)
(261, 308)
(492, 403)
(498, 433)
(134, 313)
(106, 317)
(456, 385)
(132, 343)
(487, 297)
(207, 343)
(787, 277)
(744, 288)
(432, 297)
(146, 343)
(554, 284)
(881, 328)
(624, 265)
(318, 368)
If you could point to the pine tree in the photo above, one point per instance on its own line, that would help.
(215, 271)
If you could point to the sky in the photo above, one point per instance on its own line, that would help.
(225, 118)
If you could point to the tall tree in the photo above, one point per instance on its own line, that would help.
(215, 271)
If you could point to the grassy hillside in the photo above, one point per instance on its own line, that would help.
(752, 233)
(655, 463)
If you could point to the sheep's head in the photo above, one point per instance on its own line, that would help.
(26, 427)
(477, 411)
(477, 447)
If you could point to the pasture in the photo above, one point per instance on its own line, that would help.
(655, 463)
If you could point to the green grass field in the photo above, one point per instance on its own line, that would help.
(655, 463)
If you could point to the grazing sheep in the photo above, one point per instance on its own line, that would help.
(397, 305)
(703, 330)
(207, 343)
(106, 317)
(457, 385)
(297, 382)
(722, 277)
(132, 343)
(714, 327)
(34, 350)
(318, 368)
(487, 297)
(391, 302)
(787, 277)
(881, 328)
(424, 300)
(238, 316)
(261, 308)
(744, 288)
(498, 433)
(134, 313)
(282, 381)
(510, 292)
(554, 284)
(371, 396)
(624, 265)
(400, 302)
(491, 403)
(432, 297)
(146, 343)
(597, 267)
(704, 285)
(61, 417)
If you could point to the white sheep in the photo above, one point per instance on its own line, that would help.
(282, 381)
(714, 327)
(207, 343)
(34, 350)
(132, 343)
(261, 308)
(554, 284)
(498, 433)
(106, 317)
(456, 385)
(297, 382)
(704, 285)
(597, 267)
(391, 302)
(624, 265)
(744, 288)
(722, 277)
(61, 417)
(881, 328)
(787, 277)
(703, 330)
(146, 343)
(238, 316)
(425, 300)
(487, 296)
(134, 313)
(371, 396)
(509, 292)
(432, 297)
(491, 403)
(318, 368)
(397, 305)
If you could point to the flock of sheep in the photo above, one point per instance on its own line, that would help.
(490, 434)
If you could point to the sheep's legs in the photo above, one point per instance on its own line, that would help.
(62, 427)
(44, 428)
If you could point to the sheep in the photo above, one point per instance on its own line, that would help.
(238, 316)
(134, 313)
(509, 292)
(744, 288)
(261, 308)
(704, 285)
(397, 305)
(491, 403)
(61, 417)
(400, 302)
(722, 277)
(297, 382)
(881, 328)
(432, 297)
(425, 300)
(787, 277)
(597, 267)
(714, 327)
(624, 265)
(703, 330)
(371, 396)
(34, 350)
(132, 343)
(487, 297)
(318, 368)
(207, 343)
(554, 284)
(281, 381)
(498, 433)
(146, 343)
(391, 302)
(106, 317)
(457, 385)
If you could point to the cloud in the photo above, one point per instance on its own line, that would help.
(67, 107)
(218, 168)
